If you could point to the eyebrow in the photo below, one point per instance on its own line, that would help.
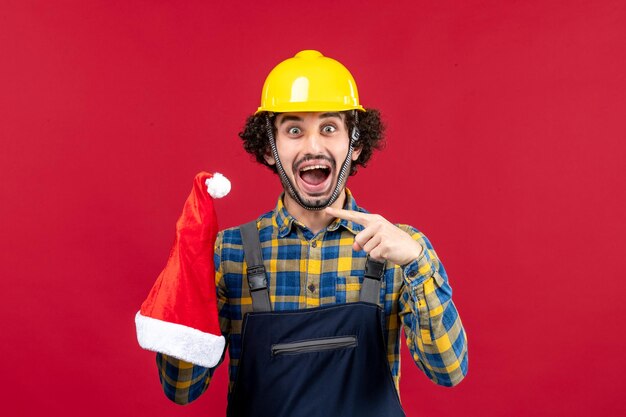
(290, 119)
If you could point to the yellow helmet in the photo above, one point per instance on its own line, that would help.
(309, 82)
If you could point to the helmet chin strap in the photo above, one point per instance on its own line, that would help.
(343, 172)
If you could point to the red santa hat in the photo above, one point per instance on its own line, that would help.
(179, 318)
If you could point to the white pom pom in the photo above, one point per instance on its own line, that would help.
(218, 186)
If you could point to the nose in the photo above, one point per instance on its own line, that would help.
(313, 143)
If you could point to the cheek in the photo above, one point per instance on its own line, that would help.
(287, 150)
(338, 148)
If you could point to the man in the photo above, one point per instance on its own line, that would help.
(312, 316)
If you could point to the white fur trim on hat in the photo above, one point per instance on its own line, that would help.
(179, 341)
(218, 186)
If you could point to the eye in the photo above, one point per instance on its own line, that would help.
(294, 131)
(329, 129)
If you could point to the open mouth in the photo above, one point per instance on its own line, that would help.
(315, 178)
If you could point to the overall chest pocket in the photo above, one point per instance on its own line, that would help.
(314, 345)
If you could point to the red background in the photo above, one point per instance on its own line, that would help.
(506, 146)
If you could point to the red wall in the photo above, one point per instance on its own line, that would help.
(506, 146)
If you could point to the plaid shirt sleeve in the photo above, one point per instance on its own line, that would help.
(184, 382)
(433, 328)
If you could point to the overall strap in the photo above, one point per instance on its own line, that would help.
(257, 280)
(370, 290)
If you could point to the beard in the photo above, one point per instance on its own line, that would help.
(311, 203)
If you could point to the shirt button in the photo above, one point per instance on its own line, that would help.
(312, 287)
(314, 244)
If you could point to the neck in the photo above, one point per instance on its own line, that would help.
(314, 220)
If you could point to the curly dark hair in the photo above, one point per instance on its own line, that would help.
(370, 125)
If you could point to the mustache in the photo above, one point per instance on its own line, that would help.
(311, 157)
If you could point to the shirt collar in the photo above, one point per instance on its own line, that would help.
(284, 221)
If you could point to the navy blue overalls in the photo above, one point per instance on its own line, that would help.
(324, 361)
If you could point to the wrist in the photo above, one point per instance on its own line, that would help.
(414, 254)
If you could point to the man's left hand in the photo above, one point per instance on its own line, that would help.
(381, 239)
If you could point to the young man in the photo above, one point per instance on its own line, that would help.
(313, 317)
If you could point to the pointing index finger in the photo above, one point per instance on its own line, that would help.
(354, 216)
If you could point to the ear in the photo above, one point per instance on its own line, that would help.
(269, 158)
(356, 152)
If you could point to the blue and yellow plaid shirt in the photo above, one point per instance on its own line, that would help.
(310, 270)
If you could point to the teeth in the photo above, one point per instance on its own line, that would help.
(313, 167)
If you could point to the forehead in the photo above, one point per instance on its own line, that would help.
(309, 116)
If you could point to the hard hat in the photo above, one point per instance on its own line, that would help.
(309, 82)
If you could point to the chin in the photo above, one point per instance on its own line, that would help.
(317, 203)
(318, 199)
